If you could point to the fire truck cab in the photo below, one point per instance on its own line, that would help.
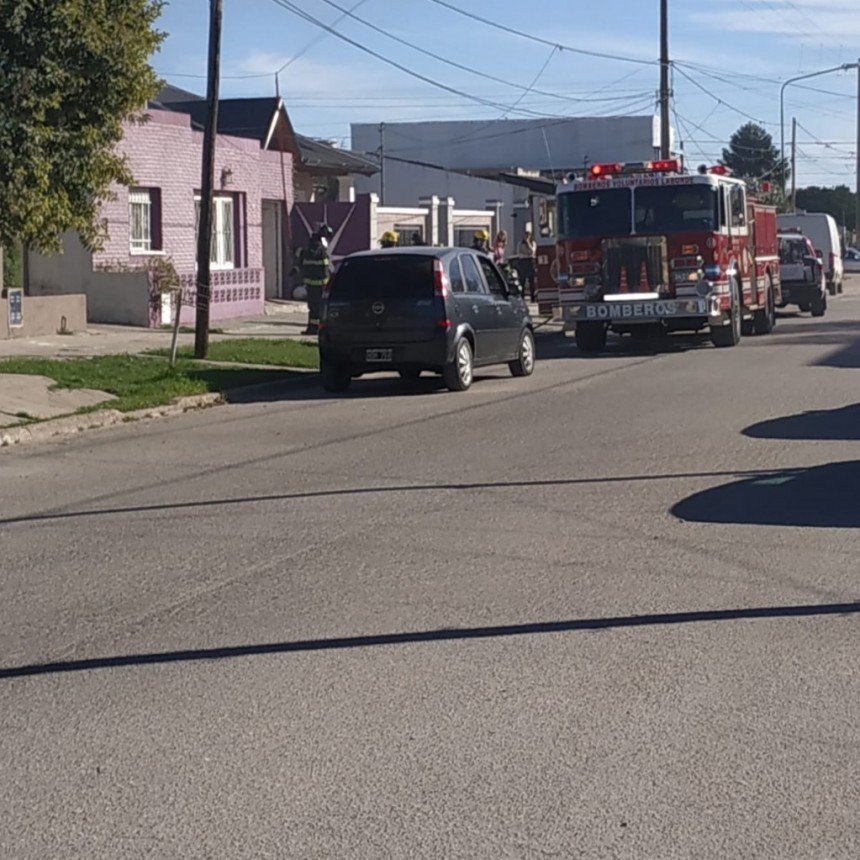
(650, 247)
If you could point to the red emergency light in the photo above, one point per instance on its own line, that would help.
(667, 165)
(598, 170)
(720, 170)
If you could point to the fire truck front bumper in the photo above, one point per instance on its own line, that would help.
(633, 311)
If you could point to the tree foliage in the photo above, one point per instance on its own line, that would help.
(840, 202)
(71, 73)
(752, 155)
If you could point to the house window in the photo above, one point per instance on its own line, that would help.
(222, 254)
(144, 220)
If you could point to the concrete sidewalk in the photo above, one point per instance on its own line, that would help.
(282, 319)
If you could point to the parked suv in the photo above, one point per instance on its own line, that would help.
(802, 273)
(445, 310)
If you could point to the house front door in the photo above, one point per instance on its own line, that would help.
(273, 248)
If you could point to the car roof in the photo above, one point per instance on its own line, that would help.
(412, 251)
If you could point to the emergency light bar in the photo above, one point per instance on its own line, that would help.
(667, 165)
(716, 170)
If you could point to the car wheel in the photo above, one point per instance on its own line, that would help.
(458, 373)
(335, 378)
(819, 306)
(804, 307)
(524, 363)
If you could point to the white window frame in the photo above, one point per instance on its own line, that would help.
(222, 255)
(140, 212)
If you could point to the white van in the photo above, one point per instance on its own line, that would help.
(822, 230)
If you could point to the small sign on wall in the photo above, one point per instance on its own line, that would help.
(15, 296)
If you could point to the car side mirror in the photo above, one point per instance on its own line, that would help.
(820, 255)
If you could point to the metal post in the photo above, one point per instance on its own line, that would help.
(665, 91)
(204, 234)
(844, 67)
(857, 190)
(382, 164)
(794, 164)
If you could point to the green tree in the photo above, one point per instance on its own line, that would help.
(840, 202)
(71, 73)
(752, 155)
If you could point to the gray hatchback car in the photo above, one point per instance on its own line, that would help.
(444, 310)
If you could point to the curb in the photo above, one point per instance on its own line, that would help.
(71, 425)
(266, 390)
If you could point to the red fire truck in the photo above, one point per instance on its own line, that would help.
(649, 247)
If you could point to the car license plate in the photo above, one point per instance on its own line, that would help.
(651, 310)
(379, 355)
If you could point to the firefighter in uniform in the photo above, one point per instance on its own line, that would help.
(389, 239)
(316, 266)
(481, 242)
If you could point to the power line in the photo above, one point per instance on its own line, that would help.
(457, 65)
(319, 38)
(539, 40)
(291, 7)
(717, 99)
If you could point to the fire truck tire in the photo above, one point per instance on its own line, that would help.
(730, 335)
(765, 320)
(819, 306)
(591, 338)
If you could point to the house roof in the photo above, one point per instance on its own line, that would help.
(170, 95)
(323, 158)
(257, 119)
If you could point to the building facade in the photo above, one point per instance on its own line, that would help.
(155, 223)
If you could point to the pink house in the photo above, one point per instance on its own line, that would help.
(156, 221)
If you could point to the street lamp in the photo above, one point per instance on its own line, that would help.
(843, 68)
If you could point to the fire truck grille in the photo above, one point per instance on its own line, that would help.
(626, 261)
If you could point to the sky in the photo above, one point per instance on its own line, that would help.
(729, 56)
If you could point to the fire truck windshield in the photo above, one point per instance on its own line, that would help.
(594, 213)
(655, 209)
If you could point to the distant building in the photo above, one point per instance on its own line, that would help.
(484, 147)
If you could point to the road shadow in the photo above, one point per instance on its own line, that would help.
(555, 346)
(802, 331)
(342, 492)
(824, 425)
(575, 625)
(816, 497)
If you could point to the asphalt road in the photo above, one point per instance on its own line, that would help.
(607, 612)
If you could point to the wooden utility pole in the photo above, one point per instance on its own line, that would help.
(794, 164)
(204, 230)
(665, 91)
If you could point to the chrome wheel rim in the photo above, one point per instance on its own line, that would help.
(528, 353)
(464, 363)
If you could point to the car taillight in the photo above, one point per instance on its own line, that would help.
(443, 324)
(440, 280)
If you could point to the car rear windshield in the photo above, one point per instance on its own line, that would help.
(388, 276)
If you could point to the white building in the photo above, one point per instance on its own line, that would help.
(551, 146)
